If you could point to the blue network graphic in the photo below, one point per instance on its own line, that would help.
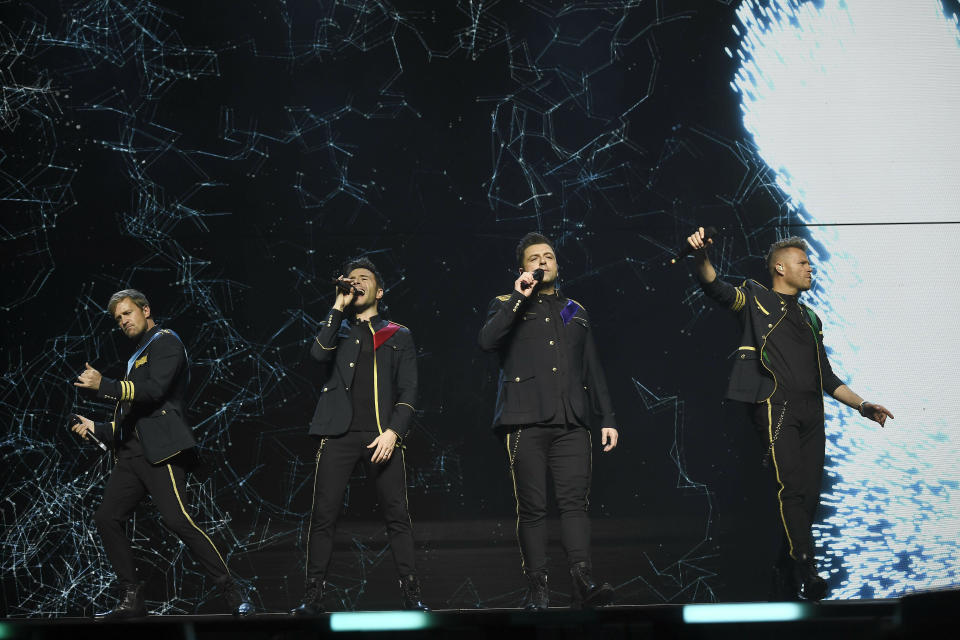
(226, 165)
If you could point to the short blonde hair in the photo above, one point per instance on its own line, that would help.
(135, 296)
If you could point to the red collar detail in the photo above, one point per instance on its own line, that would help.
(384, 334)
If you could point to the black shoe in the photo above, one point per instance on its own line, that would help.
(538, 593)
(784, 586)
(410, 590)
(587, 593)
(814, 588)
(236, 597)
(131, 604)
(312, 604)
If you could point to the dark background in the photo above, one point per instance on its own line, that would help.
(226, 157)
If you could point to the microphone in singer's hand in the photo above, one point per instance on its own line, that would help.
(90, 435)
(344, 285)
(537, 275)
(708, 234)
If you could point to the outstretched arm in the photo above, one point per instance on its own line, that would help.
(721, 292)
(876, 412)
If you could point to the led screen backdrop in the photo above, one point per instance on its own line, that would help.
(226, 157)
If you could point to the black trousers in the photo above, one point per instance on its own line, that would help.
(336, 458)
(131, 480)
(565, 452)
(794, 425)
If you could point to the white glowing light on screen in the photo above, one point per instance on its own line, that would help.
(856, 106)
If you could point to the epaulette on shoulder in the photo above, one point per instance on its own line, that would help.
(402, 326)
(756, 283)
(504, 297)
(577, 302)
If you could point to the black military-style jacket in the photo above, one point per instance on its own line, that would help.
(150, 399)
(394, 372)
(760, 312)
(529, 346)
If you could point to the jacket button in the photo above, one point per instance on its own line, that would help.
(351, 365)
(743, 356)
(517, 379)
(358, 340)
(547, 319)
(346, 388)
(554, 369)
(551, 343)
(769, 326)
(324, 389)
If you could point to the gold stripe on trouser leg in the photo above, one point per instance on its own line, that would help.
(313, 500)
(173, 481)
(776, 468)
(516, 498)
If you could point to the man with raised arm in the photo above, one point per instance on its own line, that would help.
(781, 367)
(152, 446)
(550, 389)
(363, 414)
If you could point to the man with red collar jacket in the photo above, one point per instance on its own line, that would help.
(781, 367)
(550, 391)
(364, 411)
(153, 448)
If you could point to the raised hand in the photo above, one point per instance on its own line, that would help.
(696, 240)
(345, 299)
(525, 283)
(89, 378)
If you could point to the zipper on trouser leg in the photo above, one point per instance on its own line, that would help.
(512, 456)
(313, 499)
(776, 469)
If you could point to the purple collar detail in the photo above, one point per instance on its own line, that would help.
(568, 311)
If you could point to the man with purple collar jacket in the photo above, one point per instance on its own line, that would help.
(364, 413)
(551, 389)
(782, 369)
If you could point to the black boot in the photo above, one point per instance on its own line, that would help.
(410, 590)
(538, 593)
(784, 586)
(587, 593)
(131, 604)
(814, 588)
(236, 597)
(312, 604)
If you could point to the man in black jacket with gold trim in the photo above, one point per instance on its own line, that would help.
(152, 446)
(782, 368)
(551, 387)
(364, 412)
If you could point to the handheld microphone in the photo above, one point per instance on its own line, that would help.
(91, 435)
(708, 234)
(343, 285)
(537, 275)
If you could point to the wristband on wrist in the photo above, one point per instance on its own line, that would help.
(860, 407)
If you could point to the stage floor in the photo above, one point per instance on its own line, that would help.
(909, 617)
